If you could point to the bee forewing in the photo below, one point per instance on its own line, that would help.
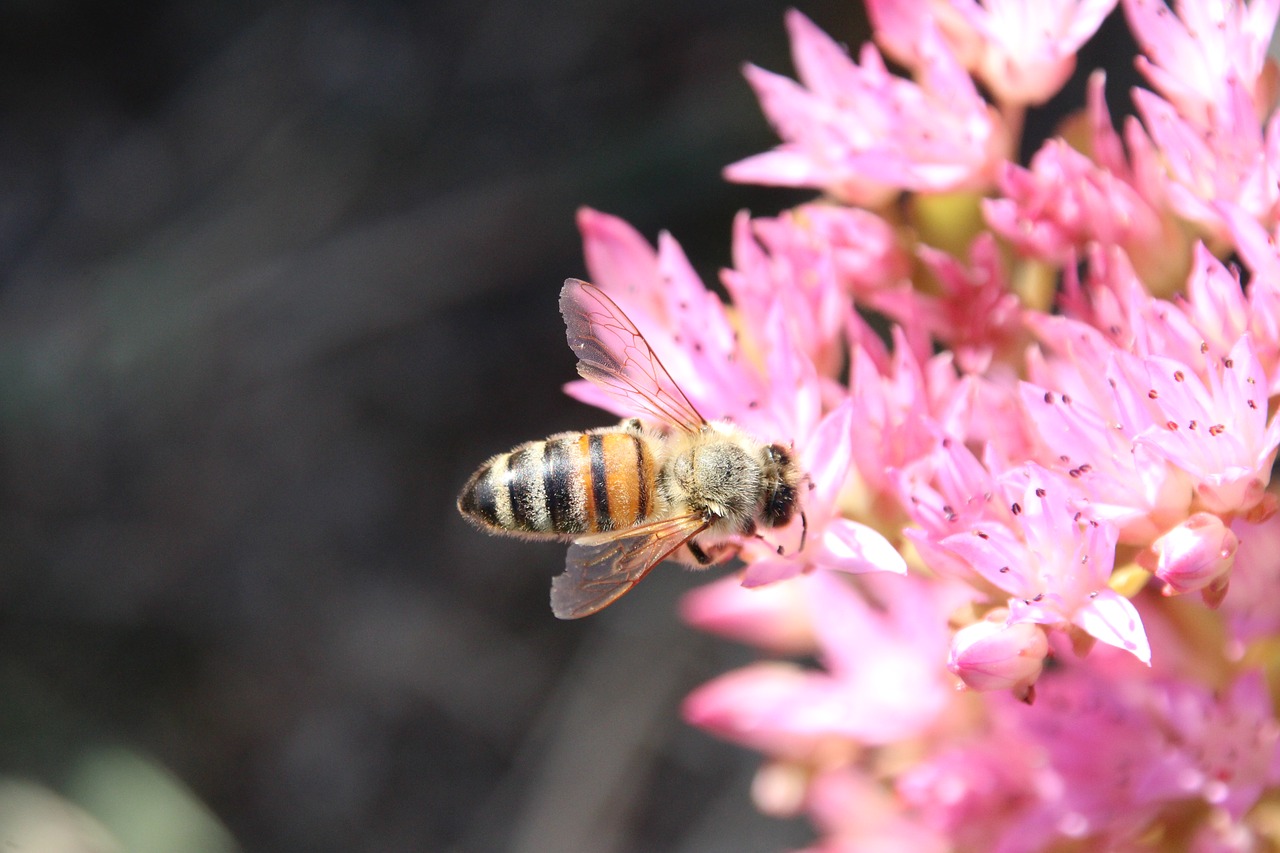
(600, 569)
(613, 354)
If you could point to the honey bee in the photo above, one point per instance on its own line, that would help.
(628, 496)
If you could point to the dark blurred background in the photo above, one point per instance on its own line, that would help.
(274, 278)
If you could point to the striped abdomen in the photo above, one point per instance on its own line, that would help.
(573, 483)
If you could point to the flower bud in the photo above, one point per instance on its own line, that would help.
(993, 655)
(1195, 555)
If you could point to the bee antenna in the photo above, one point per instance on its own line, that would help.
(804, 526)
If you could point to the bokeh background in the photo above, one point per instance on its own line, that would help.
(274, 278)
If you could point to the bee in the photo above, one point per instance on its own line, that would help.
(627, 496)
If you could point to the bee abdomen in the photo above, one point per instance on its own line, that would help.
(621, 476)
(567, 485)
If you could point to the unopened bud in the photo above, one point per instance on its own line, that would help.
(1195, 555)
(993, 655)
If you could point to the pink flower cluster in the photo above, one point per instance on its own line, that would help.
(1041, 571)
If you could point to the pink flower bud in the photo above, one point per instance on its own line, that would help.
(1195, 555)
(992, 655)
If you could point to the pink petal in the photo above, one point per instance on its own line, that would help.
(785, 166)
(770, 570)
(827, 455)
(618, 258)
(848, 546)
(759, 705)
(771, 617)
(1112, 618)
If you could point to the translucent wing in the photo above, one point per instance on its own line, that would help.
(600, 569)
(613, 354)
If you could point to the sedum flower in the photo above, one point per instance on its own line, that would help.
(1218, 430)
(1195, 556)
(1053, 561)
(880, 680)
(1233, 160)
(1260, 313)
(1190, 56)
(1065, 203)
(974, 311)
(779, 260)
(865, 249)
(1037, 404)
(993, 654)
(1022, 50)
(864, 134)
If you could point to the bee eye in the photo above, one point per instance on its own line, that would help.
(779, 505)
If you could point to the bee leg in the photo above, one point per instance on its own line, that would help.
(716, 553)
(698, 554)
(633, 426)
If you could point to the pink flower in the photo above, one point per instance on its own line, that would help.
(993, 654)
(975, 312)
(1195, 556)
(863, 134)
(1042, 494)
(1088, 433)
(1229, 742)
(898, 417)
(942, 494)
(857, 814)
(1217, 431)
(1191, 57)
(1233, 161)
(1211, 130)
(1262, 310)
(1022, 51)
(781, 261)
(686, 324)
(1108, 764)
(1213, 312)
(1064, 202)
(975, 792)
(865, 248)
(1053, 561)
(882, 678)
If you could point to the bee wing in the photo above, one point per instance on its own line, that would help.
(613, 354)
(600, 569)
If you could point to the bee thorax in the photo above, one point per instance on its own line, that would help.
(719, 479)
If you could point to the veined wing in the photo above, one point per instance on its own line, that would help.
(602, 568)
(613, 354)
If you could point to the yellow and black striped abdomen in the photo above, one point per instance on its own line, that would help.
(569, 484)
